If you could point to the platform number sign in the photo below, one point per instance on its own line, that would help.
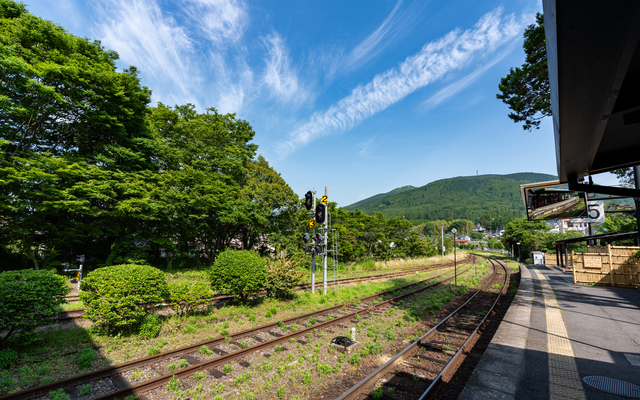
(312, 223)
(324, 199)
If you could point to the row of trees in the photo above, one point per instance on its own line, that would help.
(87, 167)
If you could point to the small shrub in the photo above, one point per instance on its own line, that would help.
(355, 359)
(227, 369)
(7, 357)
(377, 394)
(86, 390)
(183, 364)
(204, 350)
(189, 329)
(28, 298)
(282, 391)
(150, 326)
(154, 350)
(185, 296)
(283, 274)
(306, 378)
(228, 339)
(281, 325)
(172, 367)
(173, 384)
(85, 357)
(198, 376)
(59, 394)
(278, 348)
(325, 369)
(238, 272)
(244, 345)
(390, 335)
(120, 296)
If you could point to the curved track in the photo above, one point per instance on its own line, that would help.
(411, 373)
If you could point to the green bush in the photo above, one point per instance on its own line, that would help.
(59, 394)
(150, 326)
(283, 274)
(188, 295)
(118, 297)
(28, 298)
(7, 357)
(86, 357)
(238, 272)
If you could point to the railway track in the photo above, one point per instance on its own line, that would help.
(209, 356)
(71, 315)
(423, 367)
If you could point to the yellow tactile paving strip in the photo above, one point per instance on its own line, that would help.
(564, 380)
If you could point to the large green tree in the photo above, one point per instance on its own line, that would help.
(86, 167)
(526, 89)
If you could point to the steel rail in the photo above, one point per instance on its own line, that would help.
(113, 370)
(452, 366)
(365, 384)
(218, 361)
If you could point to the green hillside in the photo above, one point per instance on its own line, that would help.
(364, 203)
(465, 197)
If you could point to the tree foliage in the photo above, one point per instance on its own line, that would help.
(87, 167)
(241, 273)
(28, 299)
(283, 274)
(119, 297)
(526, 89)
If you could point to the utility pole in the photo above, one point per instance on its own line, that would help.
(313, 250)
(442, 237)
(325, 234)
(455, 260)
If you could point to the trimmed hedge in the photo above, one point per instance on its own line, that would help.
(28, 298)
(187, 296)
(118, 297)
(241, 273)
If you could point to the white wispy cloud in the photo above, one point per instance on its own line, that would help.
(222, 21)
(370, 46)
(366, 147)
(233, 83)
(280, 77)
(460, 84)
(144, 37)
(436, 59)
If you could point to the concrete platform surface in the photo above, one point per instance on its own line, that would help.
(556, 333)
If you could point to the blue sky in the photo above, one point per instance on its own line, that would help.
(362, 96)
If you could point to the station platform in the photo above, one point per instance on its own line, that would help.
(555, 336)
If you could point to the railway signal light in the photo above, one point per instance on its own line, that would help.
(319, 238)
(305, 239)
(308, 200)
(321, 213)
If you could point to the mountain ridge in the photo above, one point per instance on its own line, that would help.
(468, 197)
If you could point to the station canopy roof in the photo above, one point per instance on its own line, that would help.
(593, 51)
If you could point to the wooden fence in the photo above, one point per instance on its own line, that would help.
(550, 259)
(609, 266)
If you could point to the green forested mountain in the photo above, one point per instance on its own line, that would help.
(360, 205)
(464, 197)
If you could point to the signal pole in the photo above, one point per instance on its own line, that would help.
(324, 234)
(313, 251)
